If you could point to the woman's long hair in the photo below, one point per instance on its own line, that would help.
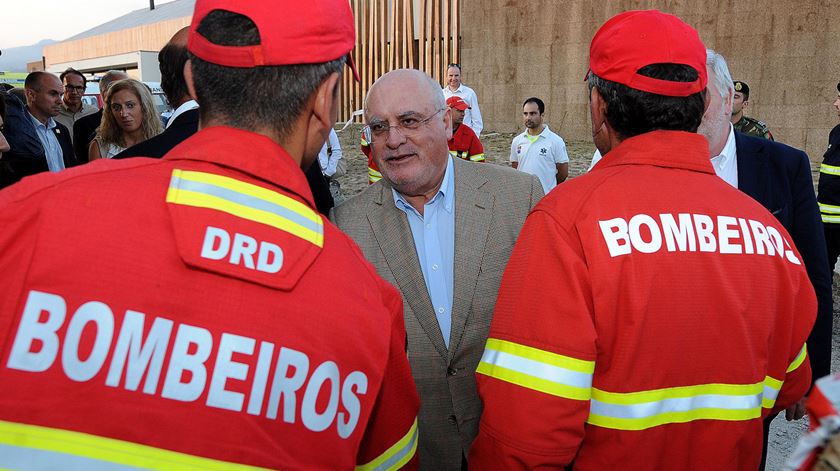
(110, 131)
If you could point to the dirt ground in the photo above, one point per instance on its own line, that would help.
(783, 435)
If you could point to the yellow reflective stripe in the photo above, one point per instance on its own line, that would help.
(829, 169)
(799, 359)
(830, 219)
(109, 450)
(373, 175)
(537, 369)
(477, 158)
(654, 395)
(829, 209)
(645, 409)
(543, 356)
(673, 418)
(397, 455)
(281, 212)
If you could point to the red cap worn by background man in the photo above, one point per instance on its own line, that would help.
(632, 40)
(457, 102)
(316, 33)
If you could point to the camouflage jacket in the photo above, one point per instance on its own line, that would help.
(753, 127)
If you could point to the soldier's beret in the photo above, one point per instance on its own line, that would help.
(742, 87)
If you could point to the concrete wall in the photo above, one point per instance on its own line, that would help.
(788, 52)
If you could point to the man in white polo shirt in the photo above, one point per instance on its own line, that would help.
(454, 87)
(539, 151)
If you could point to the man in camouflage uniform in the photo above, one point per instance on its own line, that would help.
(744, 124)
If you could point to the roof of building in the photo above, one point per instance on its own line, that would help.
(163, 12)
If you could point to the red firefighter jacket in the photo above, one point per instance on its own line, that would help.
(194, 312)
(650, 317)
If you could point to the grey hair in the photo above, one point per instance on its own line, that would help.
(722, 79)
(438, 100)
(109, 77)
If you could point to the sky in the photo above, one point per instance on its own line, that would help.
(35, 20)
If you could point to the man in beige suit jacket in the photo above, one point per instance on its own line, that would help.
(410, 126)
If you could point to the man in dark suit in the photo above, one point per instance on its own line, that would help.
(183, 122)
(84, 129)
(778, 177)
(38, 143)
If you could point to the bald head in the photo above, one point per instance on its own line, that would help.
(410, 126)
(415, 79)
(172, 59)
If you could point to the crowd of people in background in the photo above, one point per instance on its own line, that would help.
(656, 312)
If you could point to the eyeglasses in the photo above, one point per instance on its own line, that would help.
(73, 88)
(407, 126)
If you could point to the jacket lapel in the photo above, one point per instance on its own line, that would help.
(393, 234)
(473, 210)
(752, 168)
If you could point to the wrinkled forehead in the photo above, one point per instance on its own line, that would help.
(397, 98)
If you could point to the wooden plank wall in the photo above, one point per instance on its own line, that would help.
(386, 39)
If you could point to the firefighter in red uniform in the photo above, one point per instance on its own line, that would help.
(171, 314)
(373, 170)
(650, 315)
(464, 144)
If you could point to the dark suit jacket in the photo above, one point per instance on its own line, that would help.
(491, 203)
(779, 177)
(16, 165)
(184, 126)
(84, 130)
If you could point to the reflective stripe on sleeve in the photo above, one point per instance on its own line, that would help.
(799, 358)
(829, 209)
(373, 175)
(536, 369)
(830, 219)
(477, 158)
(397, 456)
(247, 201)
(25, 446)
(829, 169)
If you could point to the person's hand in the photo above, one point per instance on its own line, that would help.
(796, 411)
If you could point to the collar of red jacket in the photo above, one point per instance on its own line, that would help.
(247, 152)
(675, 149)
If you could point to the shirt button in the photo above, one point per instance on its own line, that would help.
(428, 226)
(440, 310)
(434, 267)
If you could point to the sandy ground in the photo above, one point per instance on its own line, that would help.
(783, 434)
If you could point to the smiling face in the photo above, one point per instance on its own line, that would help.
(127, 110)
(453, 78)
(412, 160)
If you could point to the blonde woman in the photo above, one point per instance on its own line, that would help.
(128, 119)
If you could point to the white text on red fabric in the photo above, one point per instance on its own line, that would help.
(133, 358)
(686, 232)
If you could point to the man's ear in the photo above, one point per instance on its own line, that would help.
(189, 81)
(598, 109)
(447, 121)
(325, 102)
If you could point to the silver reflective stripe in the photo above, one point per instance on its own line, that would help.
(537, 369)
(682, 404)
(245, 200)
(400, 454)
(770, 392)
(33, 459)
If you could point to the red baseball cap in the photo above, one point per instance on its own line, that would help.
(457, 102)
(632, 40)
(291, 32)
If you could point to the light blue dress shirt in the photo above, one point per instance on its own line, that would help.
(55, 156)
(434, 240)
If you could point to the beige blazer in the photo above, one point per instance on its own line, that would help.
(491, 203)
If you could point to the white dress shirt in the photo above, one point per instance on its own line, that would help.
(472, 115)
(52, 148)
(726, 164)
(185, 106)
(330, 155)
